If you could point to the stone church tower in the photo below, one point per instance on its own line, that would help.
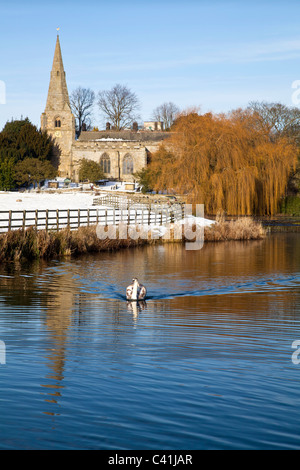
(57, 118)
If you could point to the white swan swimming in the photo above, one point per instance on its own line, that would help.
(136, 291)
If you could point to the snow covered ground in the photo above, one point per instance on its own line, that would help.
(200, 221)
(31, 201)
(106, 185)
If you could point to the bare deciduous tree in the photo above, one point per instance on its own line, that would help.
(119, 105)
(82, 100)
(280, 119)
(166, 113)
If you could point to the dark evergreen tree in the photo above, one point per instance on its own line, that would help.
(7, 174)
(21, 141)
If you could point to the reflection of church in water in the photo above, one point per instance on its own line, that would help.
(120, 154)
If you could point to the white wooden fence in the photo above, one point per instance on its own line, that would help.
(123, 201)
(58, 219)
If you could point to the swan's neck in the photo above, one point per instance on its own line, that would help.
(134, 291)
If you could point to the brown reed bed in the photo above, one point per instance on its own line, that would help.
(244, 228)
(31, 244)
(17, 245)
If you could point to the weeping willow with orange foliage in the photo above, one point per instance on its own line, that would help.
(228, 163)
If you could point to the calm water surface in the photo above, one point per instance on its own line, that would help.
(205, 364)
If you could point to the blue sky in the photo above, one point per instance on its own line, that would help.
(218, 55)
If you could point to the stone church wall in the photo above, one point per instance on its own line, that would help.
(117, 153)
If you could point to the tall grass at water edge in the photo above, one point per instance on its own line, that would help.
(30, 244)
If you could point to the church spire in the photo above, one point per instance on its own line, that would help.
(57, 119)
(58, 96)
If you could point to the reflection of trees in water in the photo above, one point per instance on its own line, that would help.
(59, 297)
(18, 283)
(233, 258)
(233, 307)
(27, 285)
(171, 262)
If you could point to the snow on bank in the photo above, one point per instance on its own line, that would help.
(189, 221)
(199, 221)
(75, 200)
(31, 201)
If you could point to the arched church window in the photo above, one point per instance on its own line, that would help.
(127, 165)
(57, 123)
(105, 163)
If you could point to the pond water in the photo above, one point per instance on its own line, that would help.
(207, 363)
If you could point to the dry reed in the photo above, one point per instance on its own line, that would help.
(31, 244)
(244, 228)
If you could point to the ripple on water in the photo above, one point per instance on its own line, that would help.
(205, 363)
